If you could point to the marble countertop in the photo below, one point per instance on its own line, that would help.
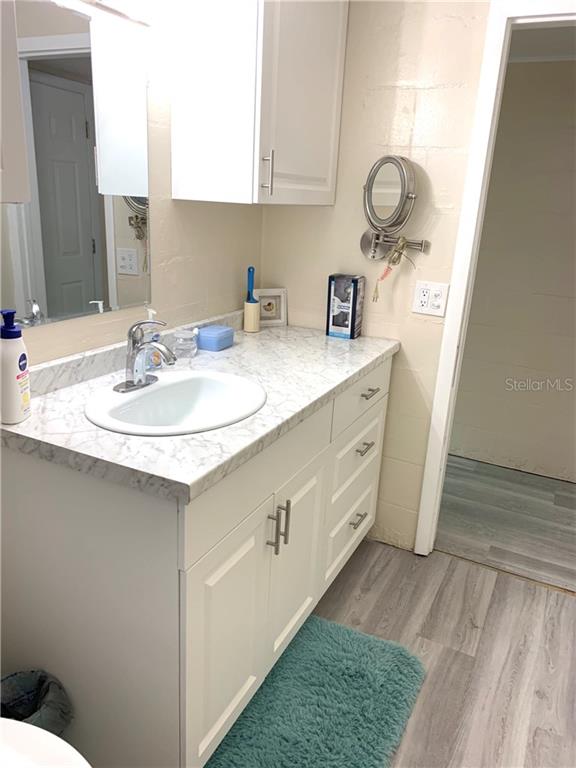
(301, 370)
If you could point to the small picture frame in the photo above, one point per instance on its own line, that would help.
(273, 306)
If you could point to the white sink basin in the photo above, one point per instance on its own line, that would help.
(179, 403)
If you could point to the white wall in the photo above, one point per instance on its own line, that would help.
(42, 17)
(523, 322)
(132, 289)
(410, 87)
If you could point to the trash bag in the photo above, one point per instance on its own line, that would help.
(37, 698)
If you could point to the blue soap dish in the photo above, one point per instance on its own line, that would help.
(215, 337)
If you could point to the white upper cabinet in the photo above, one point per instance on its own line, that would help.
(14, 184)
(256, 101)
(120, 82)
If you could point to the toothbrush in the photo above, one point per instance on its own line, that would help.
(250, 294)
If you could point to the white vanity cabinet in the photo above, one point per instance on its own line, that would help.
(256, 105)
(162, 619)
(255, 587)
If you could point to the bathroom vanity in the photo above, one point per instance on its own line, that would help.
(160, 578)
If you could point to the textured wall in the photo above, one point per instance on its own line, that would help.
(521, 341)
(41, 17)
(410, 87)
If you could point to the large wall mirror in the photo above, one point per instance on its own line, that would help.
(80, 245)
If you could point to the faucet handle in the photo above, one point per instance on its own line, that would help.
(135, 332)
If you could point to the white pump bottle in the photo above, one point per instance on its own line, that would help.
(15, 375)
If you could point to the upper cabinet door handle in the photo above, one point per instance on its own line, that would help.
(369, 394)
(270, 185)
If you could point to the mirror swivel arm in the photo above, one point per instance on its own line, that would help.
(376, 245)
(417, 245)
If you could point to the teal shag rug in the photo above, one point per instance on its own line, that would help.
(336, 699)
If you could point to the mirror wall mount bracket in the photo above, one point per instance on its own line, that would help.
(381, 240)
(377, 245)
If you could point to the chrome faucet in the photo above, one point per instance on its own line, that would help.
(136, 375)
(35, 317)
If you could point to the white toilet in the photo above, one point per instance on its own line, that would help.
(26, 746)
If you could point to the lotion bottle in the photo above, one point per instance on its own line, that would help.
(15, 375)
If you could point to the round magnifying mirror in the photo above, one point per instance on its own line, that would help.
(138, 205)
(389, 193)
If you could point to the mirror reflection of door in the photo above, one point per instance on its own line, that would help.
(70, 211)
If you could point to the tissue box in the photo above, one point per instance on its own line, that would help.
(345, 305)
(215, 337)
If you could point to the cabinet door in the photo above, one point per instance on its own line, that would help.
(213, 51)
(120, 104)
(302, 73)
(225, 601)
(294, 570)
(14, 185)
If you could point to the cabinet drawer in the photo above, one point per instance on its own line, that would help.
(358, 447)
(353, 488)
(356, 400)
(354, 520)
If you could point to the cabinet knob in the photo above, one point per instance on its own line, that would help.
(367, 447)
(270, 185)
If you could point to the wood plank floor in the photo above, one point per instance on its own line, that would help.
(500, 687)
(511, 520)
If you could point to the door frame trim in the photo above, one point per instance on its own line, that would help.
(504, 16)
(53, 45)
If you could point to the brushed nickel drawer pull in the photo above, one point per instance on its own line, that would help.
(275, 542)
(361, 518)
(370, 393)
(285, 534)
(367, 447)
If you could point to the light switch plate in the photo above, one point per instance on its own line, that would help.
(430, 298)
(127, 261)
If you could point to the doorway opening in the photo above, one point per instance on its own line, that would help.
(509, 494)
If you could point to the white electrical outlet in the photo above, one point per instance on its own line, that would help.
(127, 261)
(430, 298)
